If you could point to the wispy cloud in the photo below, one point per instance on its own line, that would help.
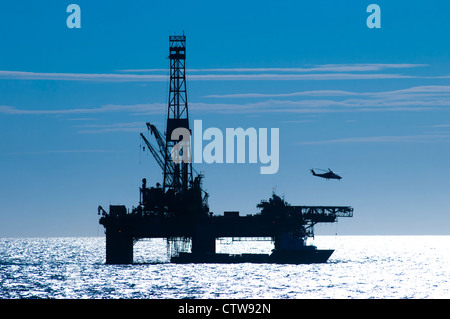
(291, 94)
(440, 125)
(269, 106)
(414, 99)
(292, 77)
(432, 90)
(80, 119)
(62, 152)
(335, 72)
(384, 139)
(108, 128)
(358, 67)
(22, 75)
(153, 108)
(19, 75)
(417, 98)
(297, 121)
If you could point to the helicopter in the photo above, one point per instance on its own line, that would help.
(328, 175)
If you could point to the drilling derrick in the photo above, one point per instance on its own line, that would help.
(177, 176)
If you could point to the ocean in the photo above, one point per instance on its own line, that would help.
(362, 267)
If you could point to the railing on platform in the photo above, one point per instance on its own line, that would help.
(337, 211)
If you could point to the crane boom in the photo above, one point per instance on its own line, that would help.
(153, 151)
(155, 154)
(159, 139)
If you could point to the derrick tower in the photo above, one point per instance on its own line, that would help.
(177, 176)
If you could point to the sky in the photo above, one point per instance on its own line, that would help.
(371, 104)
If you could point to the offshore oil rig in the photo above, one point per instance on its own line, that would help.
(178, 209)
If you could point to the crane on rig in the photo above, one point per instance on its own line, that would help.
(162, 155)
(159, 157)
(152, 150)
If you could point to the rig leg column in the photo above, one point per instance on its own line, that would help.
(203, 242)
(119, 248)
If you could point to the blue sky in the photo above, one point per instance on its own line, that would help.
(372, 104)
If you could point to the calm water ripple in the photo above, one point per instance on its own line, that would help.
(380, 267)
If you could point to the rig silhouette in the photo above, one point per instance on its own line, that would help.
(178, 209)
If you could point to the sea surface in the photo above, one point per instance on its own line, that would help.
(362, 267)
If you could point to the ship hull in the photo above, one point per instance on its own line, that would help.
(307, 256)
